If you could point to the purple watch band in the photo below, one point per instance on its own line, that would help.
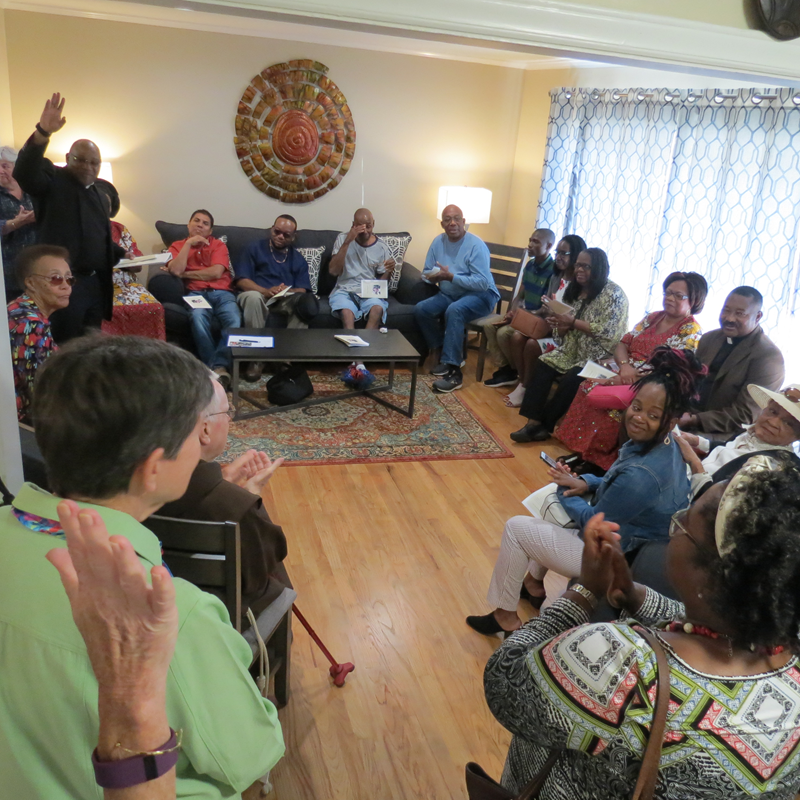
(136, 769)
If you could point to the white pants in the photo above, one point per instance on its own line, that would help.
(532, 545)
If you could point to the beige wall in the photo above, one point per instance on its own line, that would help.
(160, 102)
(6, 124)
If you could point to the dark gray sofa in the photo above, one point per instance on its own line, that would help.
(169, 290)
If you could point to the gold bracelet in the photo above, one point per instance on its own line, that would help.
(179, 742)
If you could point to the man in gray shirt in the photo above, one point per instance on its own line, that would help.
(359, 255)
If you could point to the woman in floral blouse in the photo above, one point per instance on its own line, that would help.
(591, 426)
(43, 270)
(587, 691)
(589, 332)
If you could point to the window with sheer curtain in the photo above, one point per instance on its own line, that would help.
(666, 180)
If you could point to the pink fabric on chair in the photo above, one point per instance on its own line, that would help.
(611, 398)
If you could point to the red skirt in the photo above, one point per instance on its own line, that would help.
(143, 319)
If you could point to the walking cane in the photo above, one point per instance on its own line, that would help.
(338, 671)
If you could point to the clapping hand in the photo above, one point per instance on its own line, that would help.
(51, 119)
(241, 469)
(24, 217)
(129, 627)
(599, 540)
(564, 476)
(264, 470)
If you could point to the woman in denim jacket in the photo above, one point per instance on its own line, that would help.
(645, 486)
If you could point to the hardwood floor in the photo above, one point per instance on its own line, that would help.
(387, 560)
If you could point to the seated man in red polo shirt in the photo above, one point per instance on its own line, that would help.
(203, 262)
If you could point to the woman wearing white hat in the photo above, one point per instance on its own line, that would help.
(777, 427)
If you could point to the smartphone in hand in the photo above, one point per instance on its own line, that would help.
(551, 462)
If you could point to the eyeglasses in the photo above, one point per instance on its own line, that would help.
(56, 280)
(86, 162)
(230, 411)
(584, 267)
(676, 296)
(282, 234)
(565, 253)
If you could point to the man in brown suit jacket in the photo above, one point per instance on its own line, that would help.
(233, 492)
(737, 354)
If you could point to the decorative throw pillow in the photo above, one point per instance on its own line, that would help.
(397, 246)
(313, 257)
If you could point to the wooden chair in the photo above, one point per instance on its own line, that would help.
(506, 268)
(209, 555)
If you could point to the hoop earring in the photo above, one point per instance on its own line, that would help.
(666, 439)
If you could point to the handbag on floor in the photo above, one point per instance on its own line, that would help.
(481, 787)
(289, 386)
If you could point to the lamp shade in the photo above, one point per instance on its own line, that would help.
(476, 204)
(105, 173)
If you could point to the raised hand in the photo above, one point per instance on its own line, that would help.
(52, 119)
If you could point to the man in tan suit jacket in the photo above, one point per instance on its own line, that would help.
(737, 354)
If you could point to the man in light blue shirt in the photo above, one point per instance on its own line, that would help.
(458, 262)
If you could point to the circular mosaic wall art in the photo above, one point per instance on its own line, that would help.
(295, 136)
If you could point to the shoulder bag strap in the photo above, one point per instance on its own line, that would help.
(648, 774)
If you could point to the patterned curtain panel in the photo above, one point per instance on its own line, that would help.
(666, 180)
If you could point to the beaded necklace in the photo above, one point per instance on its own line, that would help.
(702, 630)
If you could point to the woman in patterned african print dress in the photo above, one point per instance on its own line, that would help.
(43, 270)
(587, 690)
(591, 428)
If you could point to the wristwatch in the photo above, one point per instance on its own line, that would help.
(584, 592)
(139, 768)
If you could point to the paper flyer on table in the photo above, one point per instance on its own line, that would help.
(238, 340)
(352, 341)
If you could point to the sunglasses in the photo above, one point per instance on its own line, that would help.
(56, 280)
(792, 395)
(282, 234)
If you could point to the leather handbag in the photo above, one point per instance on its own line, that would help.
(481, 787)
(530, 325)
(289, 386)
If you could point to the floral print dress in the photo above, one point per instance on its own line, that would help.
(594, 432)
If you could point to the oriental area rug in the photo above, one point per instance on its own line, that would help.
(357, 430)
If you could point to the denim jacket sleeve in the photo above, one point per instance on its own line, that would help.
(628, 491)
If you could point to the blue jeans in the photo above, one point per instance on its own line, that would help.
(456, 313)
(225, 309)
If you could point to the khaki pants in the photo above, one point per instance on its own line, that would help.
(498, 342)
(255, 311)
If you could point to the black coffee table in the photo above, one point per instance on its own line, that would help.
(318, 346)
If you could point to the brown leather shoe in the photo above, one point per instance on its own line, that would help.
(253, 371)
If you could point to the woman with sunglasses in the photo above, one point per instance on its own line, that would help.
(588, 691)
(43, 271)
(589, 332)
(641, 491)
(591, 426)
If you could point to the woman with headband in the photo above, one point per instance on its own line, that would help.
(587, 692)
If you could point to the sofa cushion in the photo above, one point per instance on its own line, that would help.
(313, 257)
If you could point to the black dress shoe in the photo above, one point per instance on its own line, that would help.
(487, 625)
(528, 432)
(535, 600)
